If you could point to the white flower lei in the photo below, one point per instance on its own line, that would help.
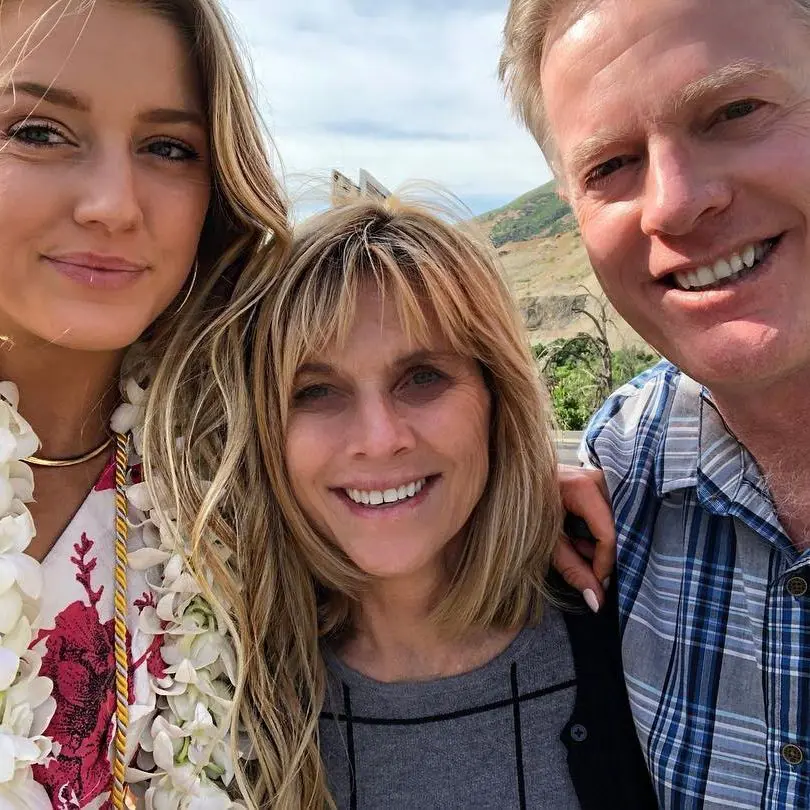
(183, 736)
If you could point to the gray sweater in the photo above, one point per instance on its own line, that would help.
(488, 739)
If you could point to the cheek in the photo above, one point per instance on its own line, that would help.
(610, 234)
(460, 432)
(307, 455)
(174, 220)
(176, 214)
(32, 202)
(619, 254)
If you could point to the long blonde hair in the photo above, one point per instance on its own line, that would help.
(304, 587)
(195, 360)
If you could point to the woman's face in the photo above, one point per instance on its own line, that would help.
(387, 444)
(104, 173)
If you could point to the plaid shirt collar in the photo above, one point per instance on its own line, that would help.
(700, 451)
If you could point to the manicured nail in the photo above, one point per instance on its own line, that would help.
(591, 601)
(606, 583)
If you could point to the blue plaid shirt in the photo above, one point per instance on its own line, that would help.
(714, 602)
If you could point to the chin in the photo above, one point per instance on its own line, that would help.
(93, 335)
(393, 566)
(749, 356)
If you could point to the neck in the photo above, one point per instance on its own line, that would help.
(66, 395)
(395, 639)
(769, 421)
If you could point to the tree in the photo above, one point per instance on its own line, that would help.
(583, 370)
(603, 373)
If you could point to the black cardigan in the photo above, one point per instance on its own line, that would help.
(604, 755)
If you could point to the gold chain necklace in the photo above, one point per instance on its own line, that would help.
(69, 462)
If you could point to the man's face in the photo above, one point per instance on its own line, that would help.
(682, 129)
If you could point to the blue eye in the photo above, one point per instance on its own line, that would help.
(422, 385)
(426, 376)
(37, 134)
(172, 150)
(312, 393)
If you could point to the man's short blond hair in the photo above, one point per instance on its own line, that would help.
(525, 40)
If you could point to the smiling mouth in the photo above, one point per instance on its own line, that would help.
(727, 270)
(382, 498)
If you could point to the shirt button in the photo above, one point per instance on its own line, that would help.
(796, 586)
(792, 754)
(579, 733)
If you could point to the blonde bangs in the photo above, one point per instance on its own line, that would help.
(413, 267)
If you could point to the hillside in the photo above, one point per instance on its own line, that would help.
(538, 213)
(546, 265)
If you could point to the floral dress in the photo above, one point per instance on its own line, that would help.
(76, 641)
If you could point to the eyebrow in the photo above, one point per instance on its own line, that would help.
(67, 98)
(726, 78)
(419, 356)
(49, 93)
(591, 148)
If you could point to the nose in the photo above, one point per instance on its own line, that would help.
(108, 196)
(378, 430)
(681, 190)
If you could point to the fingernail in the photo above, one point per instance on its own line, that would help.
(606, 583)
(591, 601)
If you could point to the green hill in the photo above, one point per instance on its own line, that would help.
(546, 265)
(538, 213)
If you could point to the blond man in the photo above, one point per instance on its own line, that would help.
(679, 130)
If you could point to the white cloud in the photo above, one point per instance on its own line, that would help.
(405, 88)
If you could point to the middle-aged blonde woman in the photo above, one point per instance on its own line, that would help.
(406, 654)
(137, 206)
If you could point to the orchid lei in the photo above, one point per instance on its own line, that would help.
(182, 738)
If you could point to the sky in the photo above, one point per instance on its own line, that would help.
(406, 89)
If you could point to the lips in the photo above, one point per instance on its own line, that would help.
(99, 261)
(385, 494)
(727, 269)
(376, 497)
(96, 271)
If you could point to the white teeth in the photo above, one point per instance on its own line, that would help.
(722, 269)
(706, 276)
(377, 497)
(749, 256)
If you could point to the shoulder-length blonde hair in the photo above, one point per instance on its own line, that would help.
(306, 586)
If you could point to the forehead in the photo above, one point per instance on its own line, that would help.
(380, 330)
(113, 50)
(620, 65)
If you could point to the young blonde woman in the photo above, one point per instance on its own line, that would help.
(137, 206)
(406, 654)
